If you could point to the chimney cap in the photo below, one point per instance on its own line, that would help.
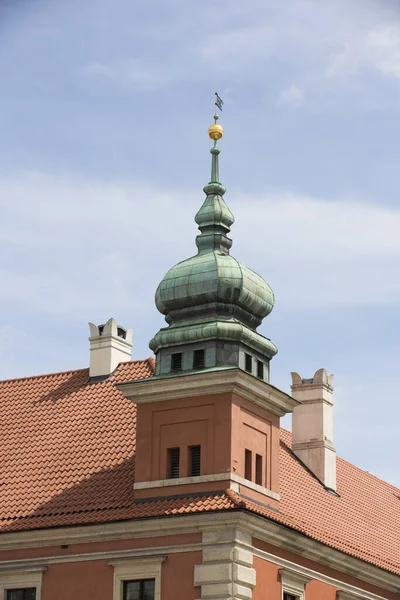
(111, 328)
(320, 378)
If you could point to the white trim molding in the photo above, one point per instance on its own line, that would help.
(293, 583)
(145, 485)
(134, 569)
(342, 595)
(14, 579)
(232, 477)
(227, 571)
(223, 381)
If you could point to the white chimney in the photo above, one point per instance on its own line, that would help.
(110, 344)
(312, 426)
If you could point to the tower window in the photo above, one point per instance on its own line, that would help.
(248, 459)
(176, 361)
(21, 594)
(259, 468)
(248, 363)
(260, 369)
(198, 359)
(173, 455)
(194, 461)
(290, 597)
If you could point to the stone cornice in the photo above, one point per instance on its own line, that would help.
(342, 595)
(226, 477)
(210, 383)
(302, 545)
(259, 527)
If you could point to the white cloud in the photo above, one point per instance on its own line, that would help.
(292, 95)
(77, 247)
(330, 48)
(377, 48)
(130, 71)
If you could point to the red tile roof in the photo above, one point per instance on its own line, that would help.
(67, 451)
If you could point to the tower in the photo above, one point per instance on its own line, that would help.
(211, 302)
(209, 419)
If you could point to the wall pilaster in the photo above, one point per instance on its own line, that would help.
(227, 571)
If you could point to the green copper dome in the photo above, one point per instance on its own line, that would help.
(214, 284)
(211, 297)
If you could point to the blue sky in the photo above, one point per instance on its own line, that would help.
(104, 108)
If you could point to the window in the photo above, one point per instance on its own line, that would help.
(23, 584)
(259, 477)
(248, 459)
(260, 375)
(141, 589)
(137, 578)
(194, 461)
(173, 456)
(198, 359)
(176, 361)
(248, 363)
(21, 594)
(293, 584)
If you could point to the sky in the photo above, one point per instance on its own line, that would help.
(104, 109)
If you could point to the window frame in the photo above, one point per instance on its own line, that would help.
(136, 569)
(199, 364)
(293, 583)
(141, 586)
(248, 464)
(260, 370)
(248, 363)
(172, 453)
(174, 359)
(17, 580)
(191, 458)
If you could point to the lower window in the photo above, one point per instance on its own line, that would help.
(142, 589)
(21, 594)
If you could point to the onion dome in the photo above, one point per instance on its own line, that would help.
(211, 296)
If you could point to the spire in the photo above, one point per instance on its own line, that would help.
(214, 217)
(212, 303)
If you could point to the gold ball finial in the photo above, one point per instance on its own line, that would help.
(215, 131)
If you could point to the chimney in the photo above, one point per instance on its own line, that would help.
(312, 426)
(110, 344)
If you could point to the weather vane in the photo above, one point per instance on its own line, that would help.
(215, 131)
(218, 102)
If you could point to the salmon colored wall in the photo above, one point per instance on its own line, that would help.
(257, 430)
(268, 574)
(204, 420)
(93, 580)
(269, 584)
(80, 581)
(128, 544)
(177, 576)
(224, 425)
(317, 590)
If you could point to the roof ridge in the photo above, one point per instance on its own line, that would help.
(149, 360)
(354, 466)
(387, 483)
(43, 375)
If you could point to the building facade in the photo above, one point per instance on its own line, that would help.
(171, 477)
